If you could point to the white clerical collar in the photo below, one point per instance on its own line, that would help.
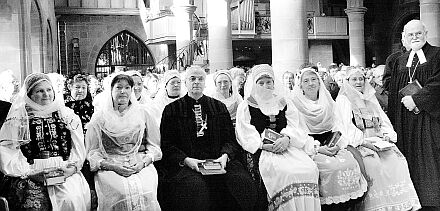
(419, 53)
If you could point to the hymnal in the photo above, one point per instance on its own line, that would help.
(53, 176)
(383, 145)
(332, 140)
(210, 167)
(411, 88)
(269, 136)
(380, 144)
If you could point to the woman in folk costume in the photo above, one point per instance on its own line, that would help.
(168, 92)
(117, 134)
(340, 178)
(288, 173)
(238, 76)
(80, 99)
(41, 135)
(225, 93)
(139, 92)
(364, 122)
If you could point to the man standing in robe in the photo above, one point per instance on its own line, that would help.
(195, 128)
(419, 132)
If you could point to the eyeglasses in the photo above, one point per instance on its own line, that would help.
(417, 34)
(194, 78)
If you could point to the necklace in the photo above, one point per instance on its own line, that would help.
(412, 75)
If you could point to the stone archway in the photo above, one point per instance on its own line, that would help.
(105, 36)
(123, 51)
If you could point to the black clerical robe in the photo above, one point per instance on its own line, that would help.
(179, 132)
(419, 135)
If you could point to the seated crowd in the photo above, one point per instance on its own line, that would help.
(179, 146)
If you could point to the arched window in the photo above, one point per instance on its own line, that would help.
(36, 38)
(123, 52)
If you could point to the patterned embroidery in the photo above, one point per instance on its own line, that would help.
(292, 191)
(48, 135)
(348, 178)
(83, 108)
(27, 195)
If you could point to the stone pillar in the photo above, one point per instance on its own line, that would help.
(430, 15)
(355, 12)
(289, 35)
(219, 34)
(183, 12)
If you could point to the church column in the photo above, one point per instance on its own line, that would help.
(183, 11)
(289, 35)
(355, 12)
(219, 34)
(430, 15)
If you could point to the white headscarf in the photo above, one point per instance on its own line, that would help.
(144, 95)
(16, 126)
(113, 122)
(162, 98)
(360, 100)
(268, 101)
(233, 100)
(318, 115)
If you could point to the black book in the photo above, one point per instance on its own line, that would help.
(411, 88)
(333, 139)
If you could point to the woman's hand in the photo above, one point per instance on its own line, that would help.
(69, 170)
(137, 167)
(334, 149)
(281, 145)
(117, 168)
(267, 147)
(326, 150)
(387, 138)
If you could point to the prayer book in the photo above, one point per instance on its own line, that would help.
(210, 167)
(332, 140)
(409, 90)
(269, 136)
(380, 144)
(53, 176)
(383, 145)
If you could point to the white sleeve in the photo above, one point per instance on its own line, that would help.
(153, 135)
(350, 133)
(12, 161)
(386, 126)
(247, 135)
(93, 138)
(297, 130)
(78, 151)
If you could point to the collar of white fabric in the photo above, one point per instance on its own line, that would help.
(419, 53)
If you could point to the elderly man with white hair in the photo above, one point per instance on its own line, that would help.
(196, 129)
(416, 117)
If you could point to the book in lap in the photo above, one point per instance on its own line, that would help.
(380, 144)
(211, 167)
(332, 140)
(269, 136)
(53, 176)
